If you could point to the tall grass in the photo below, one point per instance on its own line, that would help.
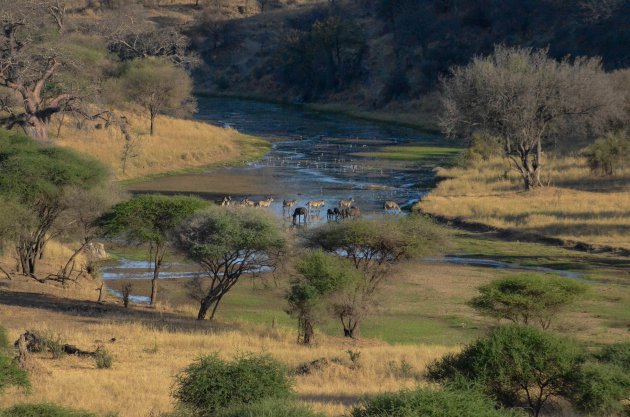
(576, 204)
(177, 145)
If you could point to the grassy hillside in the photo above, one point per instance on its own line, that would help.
(177, 145)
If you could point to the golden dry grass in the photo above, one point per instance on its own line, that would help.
(576, 205)
(176, 145)
(147, 358)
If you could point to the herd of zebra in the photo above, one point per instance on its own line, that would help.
(345, 209)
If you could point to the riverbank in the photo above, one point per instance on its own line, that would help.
(405, 116)
(178, 145)
(576, 208)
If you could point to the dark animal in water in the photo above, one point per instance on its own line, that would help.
(330, 214)
(354, 212)
(300, 212)
(337, 212)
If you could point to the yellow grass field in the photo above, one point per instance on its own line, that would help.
(576, 205)
(177, 145)
(151, 347)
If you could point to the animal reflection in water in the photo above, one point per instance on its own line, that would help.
(301, 214)
(391, 206)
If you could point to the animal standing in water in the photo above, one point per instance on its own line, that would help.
(391, 206)
(286, 206)
(300, 212)
(265, 203)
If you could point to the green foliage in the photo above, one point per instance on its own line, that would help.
(426, 402)
(43, 410)
(37, 175)
(321, 277)
(512, 361)
(481, 148)
(11, 375)
(104, 359)
(5, 344)
(149, 218)
(270, 408)
(210, 384)
(616, 354)
(600, 388)
(527, 298)
(609, 153)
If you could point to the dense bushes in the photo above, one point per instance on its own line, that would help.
(10, 374)
(211, 384)
(517, 364)
(270, 408)
(425, 402)
(608, 154)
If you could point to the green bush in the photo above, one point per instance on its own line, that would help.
(616, 354)
(104, 359)
(512, 361)
(608, 154)
(42, 410)
(481, 148)
(426, 402)
(210, 384)
(600, 389)
(270, 408)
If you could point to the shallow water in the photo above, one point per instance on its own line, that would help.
(312, 158)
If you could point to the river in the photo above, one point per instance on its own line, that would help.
(313, 157)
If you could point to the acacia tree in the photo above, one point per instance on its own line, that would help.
(527, 299)
(150, 219)
(157, 85)
(228, 244)
(524, 98)
(322, 276)
(38, 178)
(48, 73)
(373, 247)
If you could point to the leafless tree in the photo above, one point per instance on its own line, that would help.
(598, 10)
(524, 98)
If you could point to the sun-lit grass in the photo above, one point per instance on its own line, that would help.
(148, 357)
(576, 205)
(176, 145)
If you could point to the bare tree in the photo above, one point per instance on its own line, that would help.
(524, 98)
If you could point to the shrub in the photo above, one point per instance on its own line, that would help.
(11, 375)
(43, 410)
(270, 408)
(426, 402)
(617, 354)
(210, 384)
(513, 361)
(481, 148)
(5, 345)
(103, 358)
(600, 389)
(609, 153)
(527, 298)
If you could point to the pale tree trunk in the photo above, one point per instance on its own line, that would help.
(157, 266)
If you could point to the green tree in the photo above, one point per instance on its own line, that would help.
(157, 85)
(524, 98)
(310, 296)
(43, 410)
(527, 298)
(38, 178)
(210, 384)
(150, 219)
(428, 402)
(600, 389)
(228, 244)
(373, 247)
(515, 362)
(609, 153)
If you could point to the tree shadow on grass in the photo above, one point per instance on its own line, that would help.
(112, 312)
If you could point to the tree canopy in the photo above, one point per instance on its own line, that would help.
(227, 244)
(527, 298)
(150, 219)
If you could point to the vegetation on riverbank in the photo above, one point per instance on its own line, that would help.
(178, 145)
(575, 206)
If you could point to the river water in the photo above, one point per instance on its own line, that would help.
(313, 157)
